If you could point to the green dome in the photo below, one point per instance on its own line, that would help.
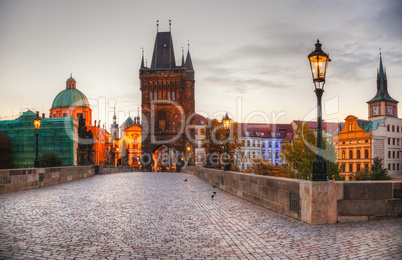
(70, 98)
(70, 79)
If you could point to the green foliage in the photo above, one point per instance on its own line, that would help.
(377, 172)
(301, 154)
(363, 175)
(6, 152)
(50, 159)
(263, 167)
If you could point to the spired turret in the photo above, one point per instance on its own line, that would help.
(382, 104)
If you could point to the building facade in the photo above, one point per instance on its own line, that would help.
(167, 103)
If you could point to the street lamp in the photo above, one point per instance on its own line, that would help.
(226, 124)
(188, 155)
(318, 65)
(37, 122)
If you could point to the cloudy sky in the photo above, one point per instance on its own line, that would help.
(250, 57)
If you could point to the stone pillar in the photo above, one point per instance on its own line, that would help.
(319, 201)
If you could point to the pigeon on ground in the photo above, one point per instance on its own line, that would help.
(185, 180)
(212, 196)
(214, 192)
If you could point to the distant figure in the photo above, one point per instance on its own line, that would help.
(212, 197)
(185, 180)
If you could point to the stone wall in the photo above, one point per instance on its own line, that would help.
(312, 202)
(23, 179)
(279, 194)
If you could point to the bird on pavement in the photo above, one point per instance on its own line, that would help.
(212, 196)
(185, 180)
(214, 192)
(213, 186)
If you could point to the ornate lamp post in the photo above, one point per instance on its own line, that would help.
(227, 124)
(188, 155)
(318, 64)
(37, 122)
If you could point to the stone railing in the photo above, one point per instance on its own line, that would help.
(23, 179)
(311, 202)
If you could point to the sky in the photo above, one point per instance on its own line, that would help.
(250, 57)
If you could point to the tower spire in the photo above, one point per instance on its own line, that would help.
(142, 59)
(182, 57)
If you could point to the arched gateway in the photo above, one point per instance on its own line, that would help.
(167, 104)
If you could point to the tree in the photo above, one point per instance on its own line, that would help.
(50, 159)
(300, 154)
(215, 142)
(6, 152)
(377, 171)
(263, 167)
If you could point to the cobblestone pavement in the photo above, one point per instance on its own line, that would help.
(161, 216)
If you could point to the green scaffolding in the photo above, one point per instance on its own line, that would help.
(55, 134)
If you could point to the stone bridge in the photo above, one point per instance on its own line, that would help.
(140, 215)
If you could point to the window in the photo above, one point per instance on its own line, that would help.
(248, 142)
(343, 167)
(358, 167)
(169, 97)
(276, 145)
(350, 154)
(393, 141)
(393, 154)
(393, 166)
(196, 131)
(366, 154)
(389, 154)
(389, 141)
(156, 95)
(358, 155)
(397, 128)
(269, 145)
(253, 142)
(387, 128)
(393, 128)
(389, 166)
(397, 141)
(397, 166)
(174, 95)
(366, 166)
(350, 167)
(343, 155)
(151, 97)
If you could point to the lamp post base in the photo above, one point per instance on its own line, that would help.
(319, 169)
(36, 163)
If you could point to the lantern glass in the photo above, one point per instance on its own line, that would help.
(318, 65)
(37, 122)
(226, 122)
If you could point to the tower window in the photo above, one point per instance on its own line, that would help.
(169, 97)
(151, 96)
(156, 95)
(174, 95)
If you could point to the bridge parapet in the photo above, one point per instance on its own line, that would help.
(311, 202)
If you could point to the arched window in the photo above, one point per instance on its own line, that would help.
(366, 154)
(358, 154)
(169, 97)
(350, 154)
(156, 95)
(174, 95)
(248, 142)
(343, 155)
(151, 96)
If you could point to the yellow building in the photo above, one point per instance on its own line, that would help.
(353, 143)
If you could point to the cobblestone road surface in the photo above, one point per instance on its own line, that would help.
(161, 216)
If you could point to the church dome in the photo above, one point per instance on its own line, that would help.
(70, 97)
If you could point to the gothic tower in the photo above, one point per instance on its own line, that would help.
(167, 101)
(382, 104)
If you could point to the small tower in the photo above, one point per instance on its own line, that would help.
(382, 104)
(114, 128)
